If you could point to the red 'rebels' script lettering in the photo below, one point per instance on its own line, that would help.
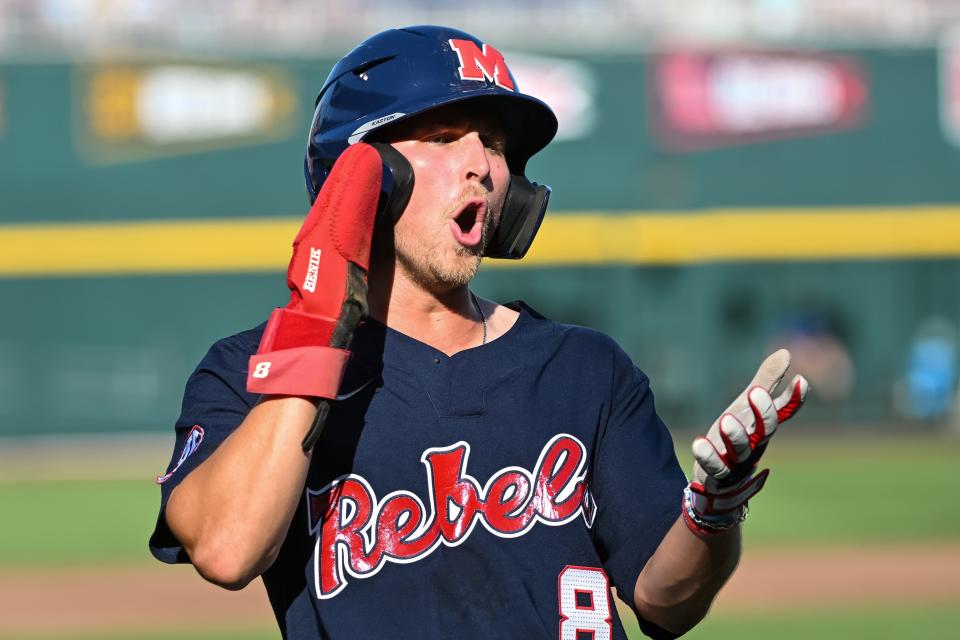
(356, 534)
(455, 497)
(482, 64)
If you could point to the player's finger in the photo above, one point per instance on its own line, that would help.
(771, 370)
(768, 376)
(764, 415)
(790, 401)
(736, 440)
(708, 457)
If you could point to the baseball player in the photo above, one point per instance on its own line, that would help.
(398, 458)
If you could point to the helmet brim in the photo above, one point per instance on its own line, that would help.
(529, 124)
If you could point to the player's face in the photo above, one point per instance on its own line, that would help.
(460, 182)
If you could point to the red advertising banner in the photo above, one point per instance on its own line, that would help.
(712, 99)
(949, 68)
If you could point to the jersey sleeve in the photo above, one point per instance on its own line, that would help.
(215, 402)
(637, 482)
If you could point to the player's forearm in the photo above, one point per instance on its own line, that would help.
(232, 512)
(684, 575)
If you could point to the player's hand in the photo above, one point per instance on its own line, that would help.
(303, 351)
(725, 471)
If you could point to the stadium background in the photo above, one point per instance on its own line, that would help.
(729, 177)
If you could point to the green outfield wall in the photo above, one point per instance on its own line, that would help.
(59, 164)
(823, 197)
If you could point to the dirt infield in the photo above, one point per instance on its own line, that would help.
(156, 598)
(783, 580)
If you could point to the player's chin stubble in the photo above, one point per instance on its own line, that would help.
(437, 268)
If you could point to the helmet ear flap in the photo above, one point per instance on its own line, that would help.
(397, 184)
(523, 210)
(311, 180)
(395, 187)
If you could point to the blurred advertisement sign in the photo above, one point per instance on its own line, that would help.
(133, 112)
(566, 85)
(949, 63)
(703, 100)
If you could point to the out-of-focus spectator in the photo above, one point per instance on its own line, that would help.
(927, 389)
(311, 24)
(818, 350)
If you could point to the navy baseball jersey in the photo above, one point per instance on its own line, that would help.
(496, 493)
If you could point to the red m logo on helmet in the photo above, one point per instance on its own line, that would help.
(482, 64)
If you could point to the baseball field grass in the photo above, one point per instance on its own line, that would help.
(227, 633)
(878, 623)
(867, 495)
(861, 624)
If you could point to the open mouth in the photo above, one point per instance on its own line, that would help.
(467, 218)
(467, 225)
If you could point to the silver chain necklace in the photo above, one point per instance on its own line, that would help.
(483, 319)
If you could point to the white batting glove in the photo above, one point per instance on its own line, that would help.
(724, 473)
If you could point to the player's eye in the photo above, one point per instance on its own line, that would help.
(439, 138)
(495, 143)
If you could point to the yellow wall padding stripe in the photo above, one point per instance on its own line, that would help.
(263, 244)
(739, 235)
(169, 246)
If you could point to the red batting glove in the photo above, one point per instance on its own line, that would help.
(724, 474)
(303, 351)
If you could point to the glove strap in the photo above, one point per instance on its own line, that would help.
(292, 328)
(707, 513)
(715, 503)
(301, 371)
(702, 526)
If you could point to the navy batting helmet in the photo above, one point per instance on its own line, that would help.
(399, 73)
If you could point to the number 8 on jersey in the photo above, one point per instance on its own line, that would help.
(584, 594)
